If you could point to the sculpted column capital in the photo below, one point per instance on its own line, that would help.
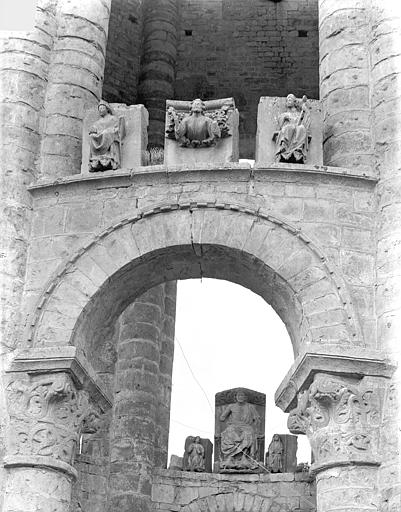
(50, 405)
(341, 417)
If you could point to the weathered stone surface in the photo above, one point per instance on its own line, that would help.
(269, 111)
(178, 491)
(197, 455)
(133, 144)
(239, 431)
(281, 456)
(218, 136)
(321, 245)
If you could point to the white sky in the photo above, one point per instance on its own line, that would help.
(231, 338)
(17, 14)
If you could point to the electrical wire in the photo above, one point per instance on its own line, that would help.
(194, 376)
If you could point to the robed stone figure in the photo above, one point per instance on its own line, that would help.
(105, 136)
(239, 438)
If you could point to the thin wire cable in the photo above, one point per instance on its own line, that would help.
(193, 375)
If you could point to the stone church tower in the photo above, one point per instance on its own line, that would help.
(89, 263)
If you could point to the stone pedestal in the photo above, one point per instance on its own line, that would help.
(224, 151)
(53, 398)
(269, 110)
(134, 143)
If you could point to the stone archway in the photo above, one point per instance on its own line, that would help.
(82, 301)
(179, 241)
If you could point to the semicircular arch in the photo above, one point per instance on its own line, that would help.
(180, 241)
(239, 501)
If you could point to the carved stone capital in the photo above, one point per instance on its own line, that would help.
(341, 418)
(50, 405)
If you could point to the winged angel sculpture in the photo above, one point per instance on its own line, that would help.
(292, 138)
(198, 129)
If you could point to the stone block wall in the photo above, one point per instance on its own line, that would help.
(336, 210)
(123, 52)
(223, 48)
(182, 491)
(247, 50)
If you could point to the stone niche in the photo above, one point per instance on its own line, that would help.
(239, 439)
(133, 145)
(222, 117)
(269, 111)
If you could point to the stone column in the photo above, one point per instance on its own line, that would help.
(344, 34)
(386, 104)
(74, 83)
(24, 70)
(159, 52)
(52, 400)
(139, 429)
(167, 334)
(341, 418)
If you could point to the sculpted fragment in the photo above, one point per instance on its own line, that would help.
(292, 138)
(240, 428)
(197, 455)
(200, 132)
(105, 136)
(198, 129)
(275, 454)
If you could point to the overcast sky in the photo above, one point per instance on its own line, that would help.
(231, 338)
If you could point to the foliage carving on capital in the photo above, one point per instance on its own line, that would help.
(47, 417)
(339, 418)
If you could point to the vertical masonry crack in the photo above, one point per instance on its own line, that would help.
(196, 252)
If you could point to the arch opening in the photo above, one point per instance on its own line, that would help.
(264, 254)
(96, 323)
(225, 337)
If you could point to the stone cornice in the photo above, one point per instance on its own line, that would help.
(131, 175)
(356, 363)
(44, 361)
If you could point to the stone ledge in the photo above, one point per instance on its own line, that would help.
(63, 359)
(356, 362)
(160, 475)
(315, 169)
(129, 175)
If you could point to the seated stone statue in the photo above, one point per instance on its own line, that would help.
(292, 139)
(196, 456)
(105, 137)
(274, 456)
(239, 442)
(196, 129)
